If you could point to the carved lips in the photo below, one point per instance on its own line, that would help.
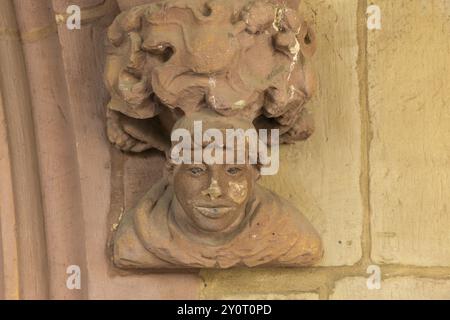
(213, 209)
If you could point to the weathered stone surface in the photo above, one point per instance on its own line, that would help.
(242, 281)
(140, 171)
(321, 175)
(402, 288)
(83, 53)
(281, 296)
(233, 65)
(409, 98)
(239, 58)
(249, 227)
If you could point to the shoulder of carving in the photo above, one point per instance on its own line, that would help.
(128, 249)
(305, 247)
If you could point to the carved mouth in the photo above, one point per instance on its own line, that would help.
(213, 212)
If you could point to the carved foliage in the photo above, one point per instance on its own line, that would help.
(246, 58)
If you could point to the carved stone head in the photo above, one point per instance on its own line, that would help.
(228, 64)
(207, 214)
(213, 194)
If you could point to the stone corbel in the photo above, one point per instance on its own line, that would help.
(228, 64)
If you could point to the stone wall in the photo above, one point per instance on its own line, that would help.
(374, 179)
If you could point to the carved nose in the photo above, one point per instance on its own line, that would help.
(213, 190)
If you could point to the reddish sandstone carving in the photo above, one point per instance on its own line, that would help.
(231, 64)
(214, 216)
(237, 57)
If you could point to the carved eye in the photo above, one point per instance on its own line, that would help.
(233, 171)
(196, 171)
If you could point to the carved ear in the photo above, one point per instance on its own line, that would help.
(169, 170)
(257, 171)
(169, 166)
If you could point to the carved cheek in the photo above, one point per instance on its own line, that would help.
(238, 191)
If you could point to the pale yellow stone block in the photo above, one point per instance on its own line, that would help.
(288, 296)
(402, 288)
(409, 98)
(321, 176)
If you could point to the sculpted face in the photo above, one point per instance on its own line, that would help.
(214, 197)
(192, 70)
